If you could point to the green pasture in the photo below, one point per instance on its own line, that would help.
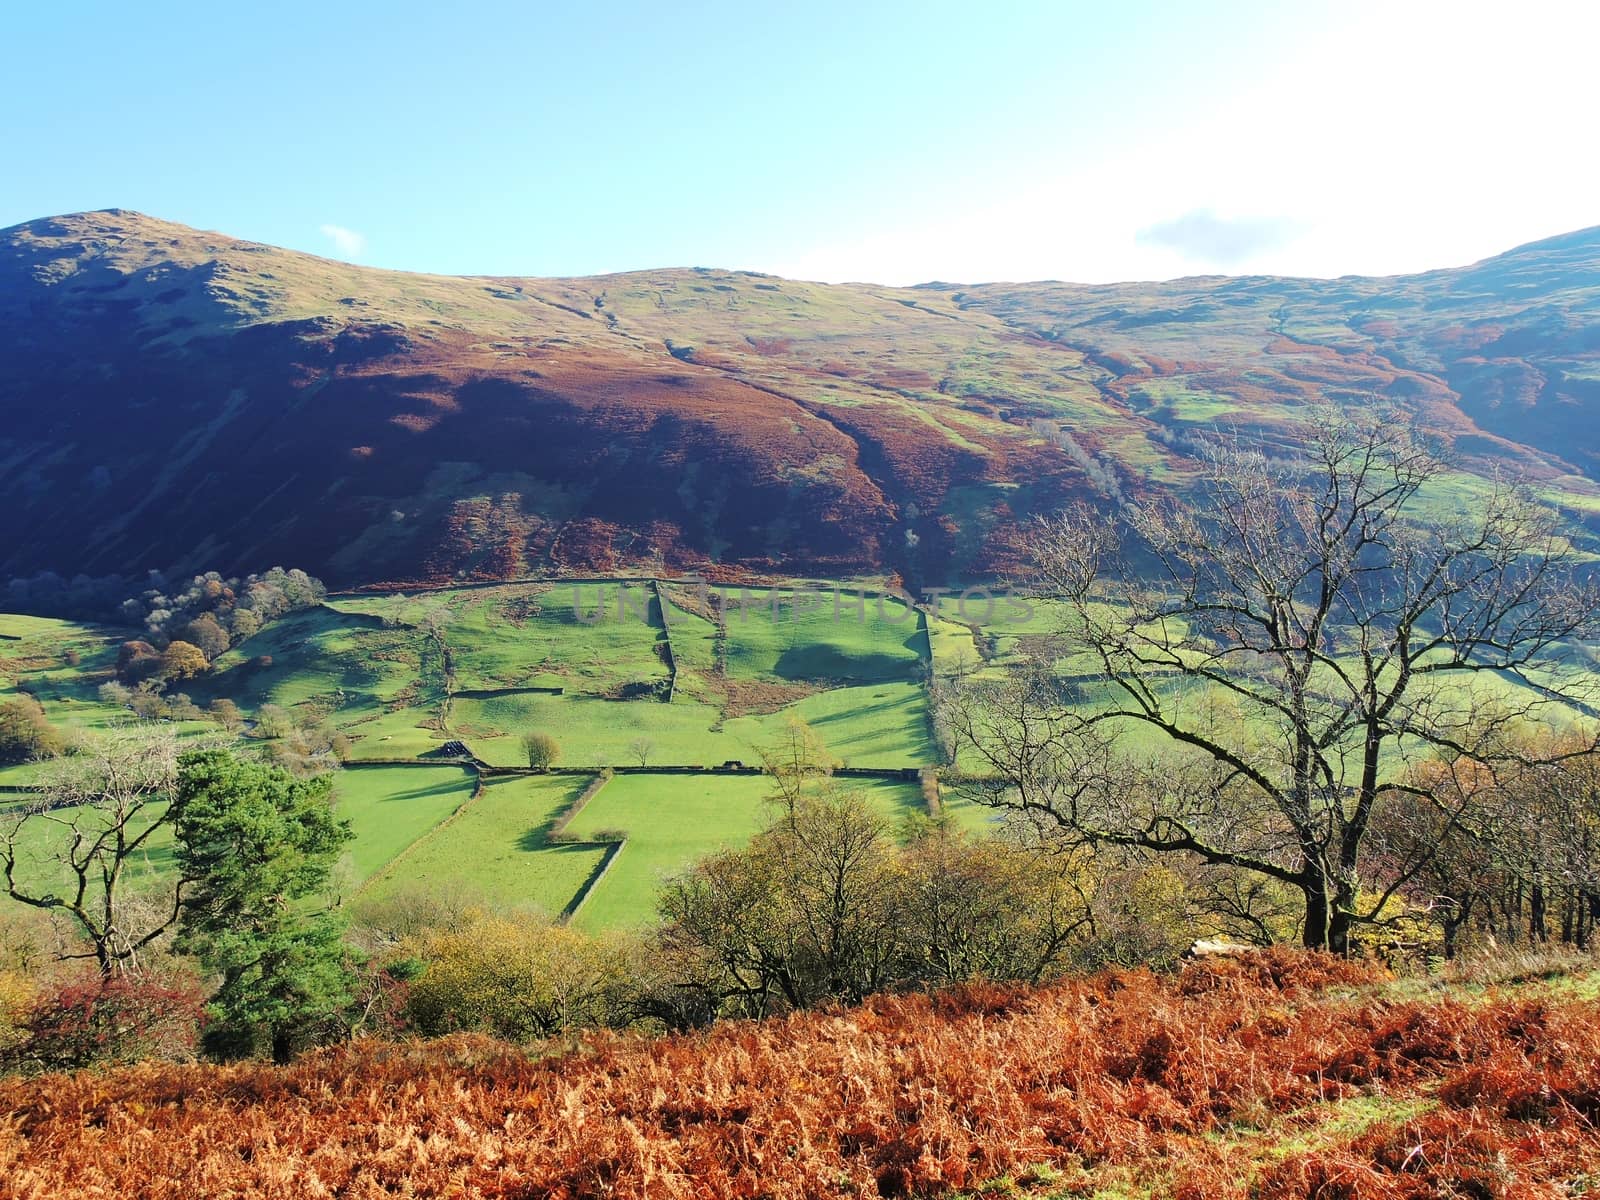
(694, 634)
(496, 849)
(46, 836)
(873, 726)
(820, 636)
(593, 639)
(402, 674)
(885, 725)
(673, 820)
(391, 808)
(343, 664)
(594, 732)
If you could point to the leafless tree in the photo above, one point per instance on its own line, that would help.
(1298, 632)
(78, 848)
(796, 760)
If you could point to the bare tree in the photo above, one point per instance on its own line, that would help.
(77, 849)
(796, 760)
(641, 748)
(1298, 632)
(1526, 861)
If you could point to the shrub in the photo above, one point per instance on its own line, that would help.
(245, 624)
(519, 980)
(272, 721)
(148, 705)
(208, 635)
(94, 1020)
(542, 750)
(309, 749)
(16, 999)
(25, 732)
(225, 713)
(112, 692)
(181, 708)
(137, 661)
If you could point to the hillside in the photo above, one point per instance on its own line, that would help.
(172, 398)
(1275, 1078)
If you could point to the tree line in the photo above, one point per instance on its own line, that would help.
(249, 935)
(1323, 679)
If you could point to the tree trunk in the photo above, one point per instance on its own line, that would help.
(1453, 925)
(1328, 917)
(1339, 928)
(1314, 933)
(282, 1047)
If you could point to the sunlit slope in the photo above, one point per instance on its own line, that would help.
(176, 398)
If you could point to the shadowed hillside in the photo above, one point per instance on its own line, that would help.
(172, 398)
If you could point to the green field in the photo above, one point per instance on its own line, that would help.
(880, 726)
(584, 661)
(622, 675)
(45, 836)
(544, 635)
(495, 851)
(672, 820)
(389, 808)
(818, 636)
(37, 657)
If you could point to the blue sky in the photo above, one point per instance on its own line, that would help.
(894, 142)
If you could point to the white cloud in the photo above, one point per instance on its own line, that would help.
(1204, 237)
(347, 242)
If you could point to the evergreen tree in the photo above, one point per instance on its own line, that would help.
(260, 845)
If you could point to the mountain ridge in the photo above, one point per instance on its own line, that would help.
(174, 398)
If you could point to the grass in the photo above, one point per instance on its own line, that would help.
(594, 639)
(336, 662)
(496, 849)
(819, 637)
(597, 733)
(390, 808)
(46, 835)
(35, 651)
(694, 635)
(401, 674)
(36, 656)
(673, 820)
(400, 733)
(977, 633)
(670, 820)
(1319, 1127)
(877, 726)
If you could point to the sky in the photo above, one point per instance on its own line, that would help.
(890, 142)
